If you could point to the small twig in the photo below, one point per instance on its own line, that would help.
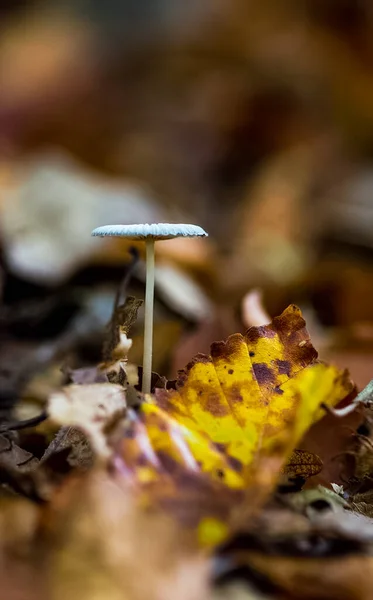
(122, 289)
(15, 425)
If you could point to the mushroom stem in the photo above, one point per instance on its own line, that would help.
(148, 330)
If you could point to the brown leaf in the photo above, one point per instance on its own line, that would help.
(14, 458)
(303, 464)
(110, 548)
(124, 317)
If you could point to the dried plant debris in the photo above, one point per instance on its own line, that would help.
(94, 408)
(210, 465)
(117, 344)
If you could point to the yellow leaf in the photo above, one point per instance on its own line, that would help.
(156, 443)
(221, 439)
(258, 392)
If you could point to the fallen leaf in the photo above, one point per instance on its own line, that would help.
(80, 453)
(331, 578)
(229, 427)
(298, 553)
(93, 408)
(21, 576)
(257, 393)
(303, 464)
(14, 457)
(107, 547)
(118, 343)
(123, 318)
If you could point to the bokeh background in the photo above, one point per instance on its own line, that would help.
(251, 119)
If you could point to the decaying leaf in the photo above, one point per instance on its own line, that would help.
(21, 575)
(232, 423)
(330, 578)
(107, 547)
(75, 444)
(94, 408)
(118, 344)
(123, 318)
(302, 464)
(257, 393)
(296, 552)
(13, 457)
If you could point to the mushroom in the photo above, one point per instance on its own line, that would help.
(150, 233)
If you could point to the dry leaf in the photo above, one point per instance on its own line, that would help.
(118, 344)
(303, 464)
(93, 408)
(334, 578)
(257, 392)
(230, 425)
(109, 548)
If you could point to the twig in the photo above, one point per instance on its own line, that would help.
(14, 425)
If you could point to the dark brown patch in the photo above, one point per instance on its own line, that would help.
(263, 374)
(200, 358)
(230, 371)
(278, 390)
(235, 464)
(219, 446)
(252, 335)
(290, 320)
(235, 394)
(215, 407)
(168, 463)
(264, 331)
(251, 354)
(218, 349)
(225, 349)
(284, 367)
(182, 377)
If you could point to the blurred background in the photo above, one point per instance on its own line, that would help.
(253, 120)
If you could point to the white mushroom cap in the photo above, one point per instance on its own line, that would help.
(157, 231)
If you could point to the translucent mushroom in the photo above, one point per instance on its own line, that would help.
(150, 233)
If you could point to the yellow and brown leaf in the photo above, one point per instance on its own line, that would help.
(233, 420)
(257, 392)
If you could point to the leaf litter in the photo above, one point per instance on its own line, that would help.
(206, 479)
